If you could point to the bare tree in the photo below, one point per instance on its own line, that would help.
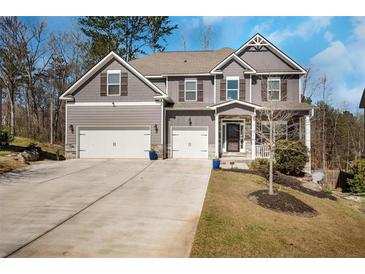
(11, 61)
(207, 36)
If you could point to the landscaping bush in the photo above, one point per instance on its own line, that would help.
(290, 157)
(261, 165)
(6, 137)
(357, 184)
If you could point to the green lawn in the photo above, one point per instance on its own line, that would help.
(233, 226)
(21, 143)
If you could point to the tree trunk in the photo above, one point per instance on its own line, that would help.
(12, 117)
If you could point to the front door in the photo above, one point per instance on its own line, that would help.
(233, 137)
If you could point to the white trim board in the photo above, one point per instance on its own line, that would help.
(100, 104)
(259, 40)
(233, 102)
(239, 60)
(106, 59)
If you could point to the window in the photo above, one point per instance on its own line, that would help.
(113, 82)
(232, 88)
(280, 131)
(274, 89)
(190, 90)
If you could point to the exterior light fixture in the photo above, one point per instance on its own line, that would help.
(71, 128)
(190, 123)
(156, 128)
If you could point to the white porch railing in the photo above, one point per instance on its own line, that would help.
(262, 151)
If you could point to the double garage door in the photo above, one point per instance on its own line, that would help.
(131, 142)
(189, 142)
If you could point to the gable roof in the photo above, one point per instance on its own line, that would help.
(233, 56)
(105, 60)
(229, 102)
(362, 102)
(260, 41)
(180, 62)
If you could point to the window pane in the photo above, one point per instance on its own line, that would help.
(232, 94)
(274, 95)
(280, 131)
(113, 89)
(190, 85)
(190, 95)
(113, 78)
(273, 84)
(232, 84)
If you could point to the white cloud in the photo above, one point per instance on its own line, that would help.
(344, 64)
(211, 20)
(328, 36)
(304, 30)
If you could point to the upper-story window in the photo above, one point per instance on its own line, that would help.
(113, 82)
(190, 90)
(232, 88)
(273, 89)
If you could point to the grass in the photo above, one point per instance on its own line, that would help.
(19, 144)
(233, 226)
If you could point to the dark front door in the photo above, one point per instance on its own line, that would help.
(233, 137)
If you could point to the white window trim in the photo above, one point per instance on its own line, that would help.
(238, 86)
(107, 81)
(268, 90)
(196, 90)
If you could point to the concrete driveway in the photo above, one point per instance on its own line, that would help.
(102, 208)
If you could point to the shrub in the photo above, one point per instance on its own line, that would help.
(357, 184)
(6, 137)
(261, 165)
(290, 157)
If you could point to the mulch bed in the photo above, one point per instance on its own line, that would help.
(282, 202)
(290, 181)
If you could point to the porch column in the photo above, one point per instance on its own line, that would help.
(307, 137)
(253, 136)
(216, 133)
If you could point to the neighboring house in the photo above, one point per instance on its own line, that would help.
(362, 105)
(185, 104)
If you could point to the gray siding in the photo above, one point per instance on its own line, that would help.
(233, 68)
(198, 118)
(235, 109)
(265, 60)
(292, 93)
(137, 89)
(208, 88)
(159, 82)
(99, 116)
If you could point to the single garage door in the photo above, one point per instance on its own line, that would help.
(132, 142)
(190, 142)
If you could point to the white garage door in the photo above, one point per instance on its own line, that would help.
(114, 143)
(190, 142)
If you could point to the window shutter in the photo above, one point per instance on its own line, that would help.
(242, 90)
(264, 89)
(223, 90)
(123, 84)
(103, 84)
(181, 91)
(284, 89)
(200, 90)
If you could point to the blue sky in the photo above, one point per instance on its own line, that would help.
(331, 45)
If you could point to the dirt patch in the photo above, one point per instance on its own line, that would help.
(282, 202)
(292, 182)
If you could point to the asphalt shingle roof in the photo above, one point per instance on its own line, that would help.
(180, 62)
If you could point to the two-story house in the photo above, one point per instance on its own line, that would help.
(187, 104)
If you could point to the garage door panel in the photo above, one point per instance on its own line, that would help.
(114, 143)
(190, 142)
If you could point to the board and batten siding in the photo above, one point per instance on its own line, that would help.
(118, 116)
(138, 91)
(159, 82)
(208, 88)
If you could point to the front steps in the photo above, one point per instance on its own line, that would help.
(235, 162)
